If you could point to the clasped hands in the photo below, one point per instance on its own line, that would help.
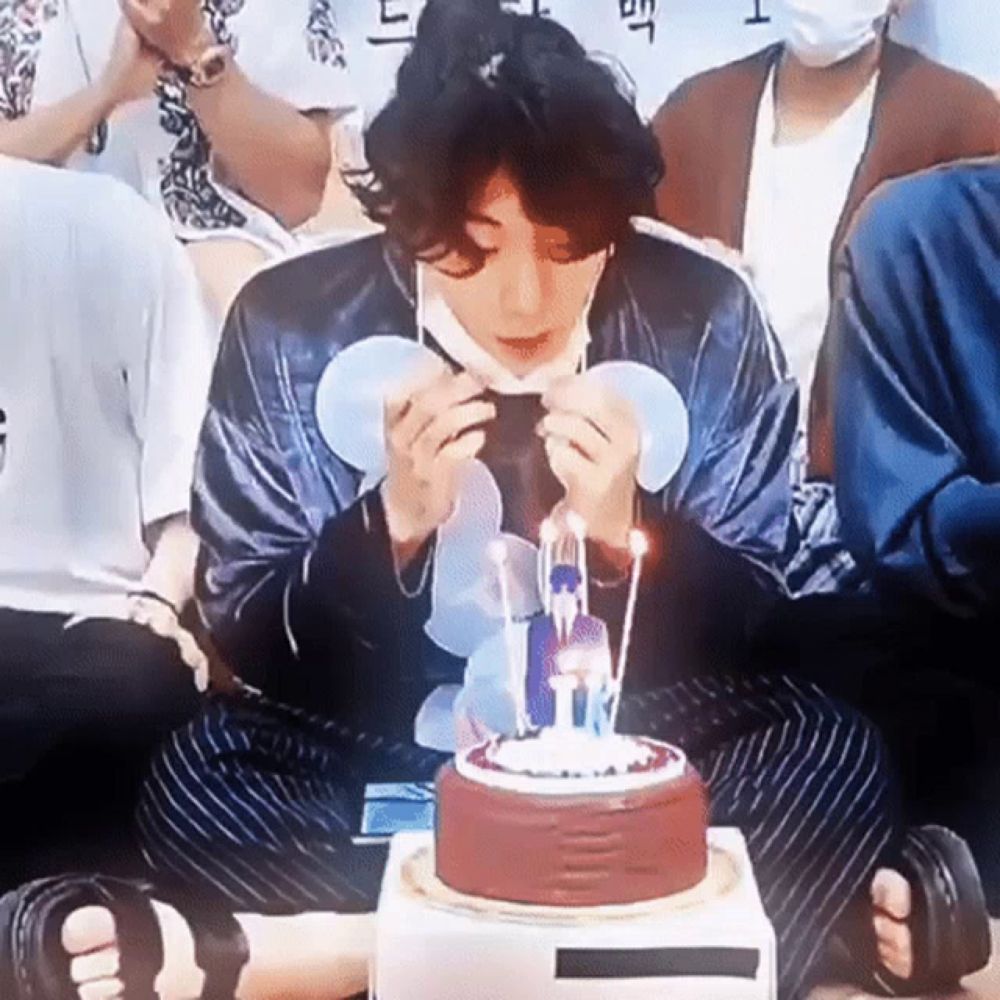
(436, 422)
(151, 35)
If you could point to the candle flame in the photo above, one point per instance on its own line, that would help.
(638, 543)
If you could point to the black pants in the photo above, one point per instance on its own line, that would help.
(257, 801)
(931, 683)
(81, 711)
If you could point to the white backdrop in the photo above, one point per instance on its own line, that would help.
(662, 42)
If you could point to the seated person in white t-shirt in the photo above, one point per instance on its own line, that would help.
(218, 113)
(105, 356)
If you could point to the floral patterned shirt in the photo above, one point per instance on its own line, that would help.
(50, 49)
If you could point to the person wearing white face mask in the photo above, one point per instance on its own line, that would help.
(773, 154)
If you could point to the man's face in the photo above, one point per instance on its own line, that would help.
(522, 305)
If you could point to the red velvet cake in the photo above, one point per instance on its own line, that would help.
(559, 819)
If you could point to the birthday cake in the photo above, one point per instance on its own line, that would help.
(565, 811)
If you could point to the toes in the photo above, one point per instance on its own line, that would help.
(891, 933)
(102, 989)
(97, 965)
(91, 928)
(891, 894)
(895, 946)
(898, 963)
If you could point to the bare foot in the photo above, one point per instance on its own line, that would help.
(892, 903)
(311, 956)
(89, 937)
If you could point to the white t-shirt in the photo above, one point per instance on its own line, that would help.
(50, 49)
(105, 359)
(794, 202)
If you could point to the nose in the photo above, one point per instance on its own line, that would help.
(524, 286)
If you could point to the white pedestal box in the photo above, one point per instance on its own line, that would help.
(710, 943)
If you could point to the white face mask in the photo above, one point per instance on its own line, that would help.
(822, 33)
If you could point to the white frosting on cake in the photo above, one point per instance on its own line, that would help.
(575, 754)
(574, 763)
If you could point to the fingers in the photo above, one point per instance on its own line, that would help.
(579, 432)
(462, 448)
(157, 617)
(611, 416)
(137, 12)
(192, 655)
(452, 424)
(161, 621)
(425, 406)
(428, 373)
(568, 465)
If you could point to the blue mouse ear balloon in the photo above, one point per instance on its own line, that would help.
(466, 606)
(660, 411)
(351, 395)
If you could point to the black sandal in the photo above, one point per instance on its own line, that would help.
(35, 966)
(948, 921)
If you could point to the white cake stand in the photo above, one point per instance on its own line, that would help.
(713, 941)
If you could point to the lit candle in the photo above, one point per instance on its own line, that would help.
(578, 526)
(547, 536)
(638, 546)
(595, 683)
(563, 685)
(498, 553)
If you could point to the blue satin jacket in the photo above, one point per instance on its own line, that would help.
(296, 578)
(916, 334)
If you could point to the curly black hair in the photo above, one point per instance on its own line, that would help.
(484, 89)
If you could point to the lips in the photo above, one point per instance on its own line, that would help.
(524, 345)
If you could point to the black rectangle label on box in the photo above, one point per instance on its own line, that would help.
(656, 963)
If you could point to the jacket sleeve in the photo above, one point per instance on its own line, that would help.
(283, 578)
(722, 533)
(737, 481)
(915, 513)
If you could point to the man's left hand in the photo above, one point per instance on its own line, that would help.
(592, 441)
(162, 620)
(175, 28)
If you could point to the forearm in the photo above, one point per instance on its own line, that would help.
(51, 135)
(317, 604)
(278, 157)
(951, 553)
(171, 568)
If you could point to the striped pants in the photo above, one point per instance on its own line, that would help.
(259, 801)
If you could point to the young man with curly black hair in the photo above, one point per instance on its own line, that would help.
(511, 175)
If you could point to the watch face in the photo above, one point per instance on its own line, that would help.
(210, 66)
(213, 66)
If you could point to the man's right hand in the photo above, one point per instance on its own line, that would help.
(431, 427)
(132, 70)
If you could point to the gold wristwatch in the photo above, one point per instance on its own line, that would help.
(207, 68)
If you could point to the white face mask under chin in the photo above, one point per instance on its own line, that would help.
(822, 33)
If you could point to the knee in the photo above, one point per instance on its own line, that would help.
(173, 817)
(848, 761)
(154, 691)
